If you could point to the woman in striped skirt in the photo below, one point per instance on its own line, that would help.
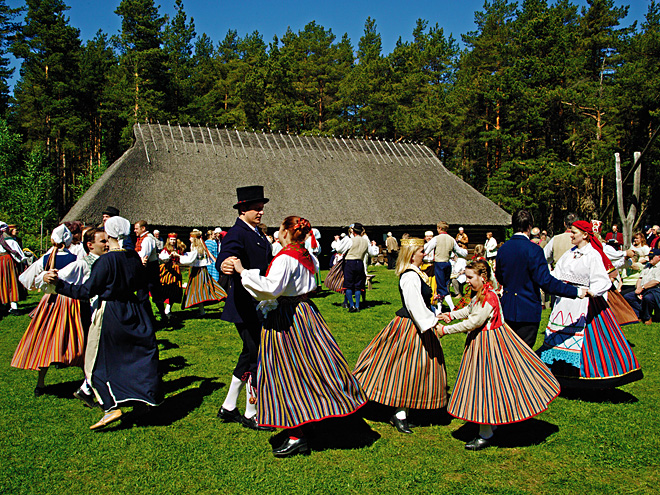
(500, 379)
(11, 256)
(56, 334)
(170, 272)
(584, 345)
(302, 375)
(201, 287)
(403, 366)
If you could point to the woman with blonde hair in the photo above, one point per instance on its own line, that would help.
(201, 287)
(403, 366)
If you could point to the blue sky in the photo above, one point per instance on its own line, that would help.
(394, 19)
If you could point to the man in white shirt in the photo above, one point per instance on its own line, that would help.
(490, 246)
(148, 251)
(442, 245)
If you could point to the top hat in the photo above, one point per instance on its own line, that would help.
(250, 194)
(111, 211)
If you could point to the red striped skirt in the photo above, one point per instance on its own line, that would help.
(201, 288)
(170, 279)
(500, 380)
(402, 367)
(8, 279)
(55, 335)
(302, 374)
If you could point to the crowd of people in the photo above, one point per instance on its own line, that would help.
(98, 286)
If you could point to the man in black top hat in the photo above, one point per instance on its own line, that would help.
(247, 243)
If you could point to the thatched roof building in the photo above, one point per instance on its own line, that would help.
(182, 176)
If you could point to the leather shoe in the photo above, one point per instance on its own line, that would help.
(292, 447)
(233, 416)
(87, 399)
(14, 312)
(253, 425)
(477, 443)
(108, 418)
(400, 424)
(39, 391)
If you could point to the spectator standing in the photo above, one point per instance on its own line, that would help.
(490, 246)
(462, 238)
(392, 246)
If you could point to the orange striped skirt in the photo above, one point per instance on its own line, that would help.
(500, 380)
(201, 288)
(402, 367)
(55, 335)
(8, 279)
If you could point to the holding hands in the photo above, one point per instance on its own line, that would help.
(50, 276)
(231, 265)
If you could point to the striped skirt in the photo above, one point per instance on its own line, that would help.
(9, 291)
(594, 355)
(334, 280)
(402, 367)
(170, 279)
(201, 288)
(302, 374)
(55, 335)
(500, 380)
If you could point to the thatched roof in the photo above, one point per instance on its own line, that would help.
(187, 176)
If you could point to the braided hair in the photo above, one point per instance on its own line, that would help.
(298, 228)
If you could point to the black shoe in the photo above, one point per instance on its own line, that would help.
(253, 425)
(353, 309)
(87, 399)
(400, 424)
(477, 443)
(14, 312)
(39, 391)
(344, 305)
(233, 416)
(292, 447)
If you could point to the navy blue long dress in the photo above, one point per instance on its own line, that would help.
(126, 367)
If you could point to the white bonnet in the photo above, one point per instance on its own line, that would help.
(61, 235)
(117, 227)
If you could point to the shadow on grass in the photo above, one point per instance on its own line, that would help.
(167, 345)
(365, 304)
(374, 411)
(523, 434)
(611, 396)
(63, 390)
(174, 363)
(350, 432)
(173, 408)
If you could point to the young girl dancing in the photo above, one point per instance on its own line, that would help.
(500, 379)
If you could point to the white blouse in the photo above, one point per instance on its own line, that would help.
(411, 288)
(192, 258)
(583, 267)
(287, 277)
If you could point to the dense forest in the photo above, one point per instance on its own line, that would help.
(530, 111)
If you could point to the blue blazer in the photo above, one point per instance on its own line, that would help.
(254, 251)
(522, 270)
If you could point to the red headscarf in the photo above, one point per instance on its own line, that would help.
(587, 228)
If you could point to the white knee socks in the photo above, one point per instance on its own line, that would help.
(232, 395)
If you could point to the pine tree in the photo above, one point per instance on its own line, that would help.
(178, 38)
(7, 29)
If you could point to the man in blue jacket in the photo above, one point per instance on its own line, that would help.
(247, 243)
(522, 270)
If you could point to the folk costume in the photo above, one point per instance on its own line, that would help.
(302, 375)
(147, 249)
(201, 287)
(249, 245)
(355, 250)
(56, 333)
(170, 273)
(442, 245)
(500, 379)
(584, 345)
(11, 257)
(403, 366)
(125, 371)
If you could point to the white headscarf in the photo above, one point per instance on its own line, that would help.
(117, 227)
(61, 235)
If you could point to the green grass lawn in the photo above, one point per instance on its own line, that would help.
(596, 443)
